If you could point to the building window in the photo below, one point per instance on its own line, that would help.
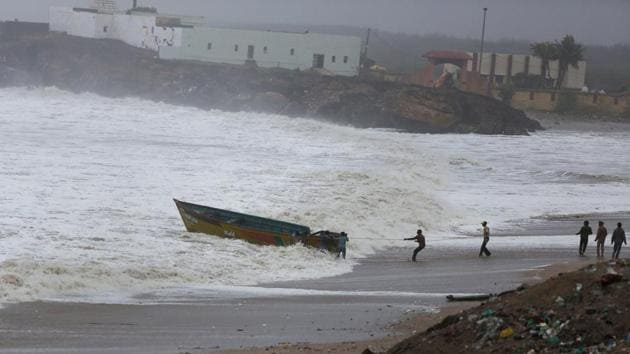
(152, 30)
(531, 95)
(265, 49)
(105, 29)
(616, 101)
(209, 46)
(292, 51)
(553, 96)
(236, 47)
(345, 59)
(333, 58)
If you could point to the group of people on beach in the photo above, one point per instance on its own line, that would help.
(422, 242)
(618, 238)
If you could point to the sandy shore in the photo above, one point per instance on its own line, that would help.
(575, 122)
(385, 299)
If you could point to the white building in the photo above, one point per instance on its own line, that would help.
(336, 54)
(187, 38)
(501, 66)
(142, 29)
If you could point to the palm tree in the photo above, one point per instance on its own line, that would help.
(569, 53)
(547, 52)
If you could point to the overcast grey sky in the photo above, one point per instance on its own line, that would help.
(591, 21)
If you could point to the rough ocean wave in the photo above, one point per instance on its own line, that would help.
(86, 184)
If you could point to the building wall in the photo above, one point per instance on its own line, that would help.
(141, 31)
(136, 30)
(283, 50)
(586, 102)
(575, 77)
(81, 24)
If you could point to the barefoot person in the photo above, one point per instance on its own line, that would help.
(486, 239)
(584, 232)
(421, 243)
(601, 238)
(618, 237)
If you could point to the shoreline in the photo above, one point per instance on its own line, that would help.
(385, 299)
(580, 122)
(409, 325)
(344, 322)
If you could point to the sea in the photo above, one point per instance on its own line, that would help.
(87, 186)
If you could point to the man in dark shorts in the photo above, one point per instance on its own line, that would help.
(486, 239)
(421, 243)
(584, 232)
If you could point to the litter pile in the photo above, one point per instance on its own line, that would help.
(586, 311)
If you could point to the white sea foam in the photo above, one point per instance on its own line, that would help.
(86, 184)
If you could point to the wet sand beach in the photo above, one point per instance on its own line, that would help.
(365, 304)
(386, 295)
(386, 298)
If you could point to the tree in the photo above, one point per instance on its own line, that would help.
(569, 53)
(547, 52)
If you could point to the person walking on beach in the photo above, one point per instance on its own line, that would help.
(618, 237)
(421, 243)
(486, 239)
(584, 232)
(601, 238)
(341, 244)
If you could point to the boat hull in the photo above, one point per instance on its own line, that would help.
(253, 229)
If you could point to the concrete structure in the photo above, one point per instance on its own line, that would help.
(497, 69)
(500, 67)
(339, 55)
(584, 102)
(142, 29)
(187, 38)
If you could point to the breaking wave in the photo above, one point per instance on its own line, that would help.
(86, 184)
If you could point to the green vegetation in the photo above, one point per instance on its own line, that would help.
(506, 92)
(569, 53)
(547, 52)
(567, 101)
(566, 52)
(527, 81)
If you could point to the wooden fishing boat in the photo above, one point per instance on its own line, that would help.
(250, 228)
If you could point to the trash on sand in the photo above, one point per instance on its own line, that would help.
(554, 340)
(610, 278)
(487, 313)
(506, 333)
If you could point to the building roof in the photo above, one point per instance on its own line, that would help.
(447, 55)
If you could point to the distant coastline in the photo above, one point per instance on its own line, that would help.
(113, 69)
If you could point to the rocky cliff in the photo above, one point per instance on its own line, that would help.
(112, 68)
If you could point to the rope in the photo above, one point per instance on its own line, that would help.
(374, 238)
